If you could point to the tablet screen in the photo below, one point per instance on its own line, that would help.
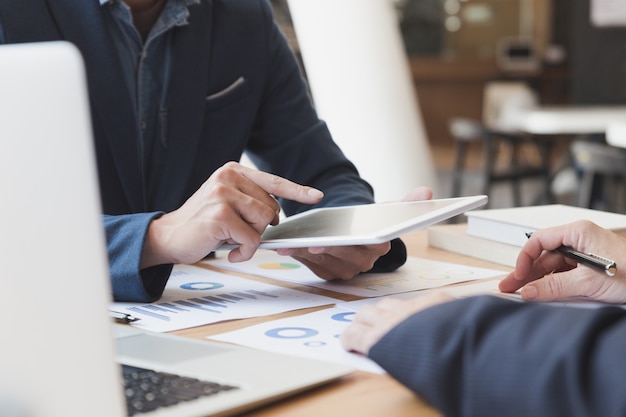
(362, 224)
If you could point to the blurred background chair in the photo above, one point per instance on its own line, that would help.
(616, 134)
(602, 171)
(507, 154)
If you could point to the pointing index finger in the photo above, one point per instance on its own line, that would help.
(282, 187)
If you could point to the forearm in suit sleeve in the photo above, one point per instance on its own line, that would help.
(486, 356)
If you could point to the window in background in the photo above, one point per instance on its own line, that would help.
(469, 29)
(422, 26)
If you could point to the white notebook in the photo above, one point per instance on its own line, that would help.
(509, 225)
(454, 238)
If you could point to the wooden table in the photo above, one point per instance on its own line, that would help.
(359, 394)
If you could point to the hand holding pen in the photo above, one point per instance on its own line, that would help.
(579, 259)
(591, 260)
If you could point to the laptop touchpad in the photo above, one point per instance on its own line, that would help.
(165, 349)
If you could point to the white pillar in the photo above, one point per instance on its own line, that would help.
(362, 87)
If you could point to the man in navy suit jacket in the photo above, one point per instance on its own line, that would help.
(178, 89)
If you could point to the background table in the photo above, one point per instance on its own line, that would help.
(556, 126)
(569, 120)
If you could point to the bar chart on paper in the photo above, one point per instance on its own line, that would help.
(416, 274)
(195, 296)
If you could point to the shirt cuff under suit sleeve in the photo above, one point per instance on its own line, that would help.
(126, 235)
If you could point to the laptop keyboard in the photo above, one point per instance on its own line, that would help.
(147, 390)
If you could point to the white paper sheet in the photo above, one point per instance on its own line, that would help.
(314, 335)
(416, 274)
(195, 296)
(489, 287)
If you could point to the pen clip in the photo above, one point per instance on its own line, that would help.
(610, 267)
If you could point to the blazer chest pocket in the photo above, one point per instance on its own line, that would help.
(236, 91)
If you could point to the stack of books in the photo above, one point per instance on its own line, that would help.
(497, 235)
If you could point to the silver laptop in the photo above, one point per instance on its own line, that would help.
(58, 356)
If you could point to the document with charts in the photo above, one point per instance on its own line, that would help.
(316, 335)
(195, 296)
(312, 335)
(416, 274)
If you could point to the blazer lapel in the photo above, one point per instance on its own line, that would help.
(80, 22)
(188, 86)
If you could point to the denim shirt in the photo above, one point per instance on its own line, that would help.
(147, 71)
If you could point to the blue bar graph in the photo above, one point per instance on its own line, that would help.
(196, 306)
(149, 313)
(196, 296)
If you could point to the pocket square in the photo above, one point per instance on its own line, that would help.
(239, 81)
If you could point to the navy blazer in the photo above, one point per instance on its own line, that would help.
(490, 357)
(236, 87)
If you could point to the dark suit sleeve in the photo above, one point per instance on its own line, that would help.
(486, 356)
(392, 260)
(126, 235)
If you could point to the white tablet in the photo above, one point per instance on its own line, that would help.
(362, 224)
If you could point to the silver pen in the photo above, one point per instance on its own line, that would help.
(122, 317)
(588, 259)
